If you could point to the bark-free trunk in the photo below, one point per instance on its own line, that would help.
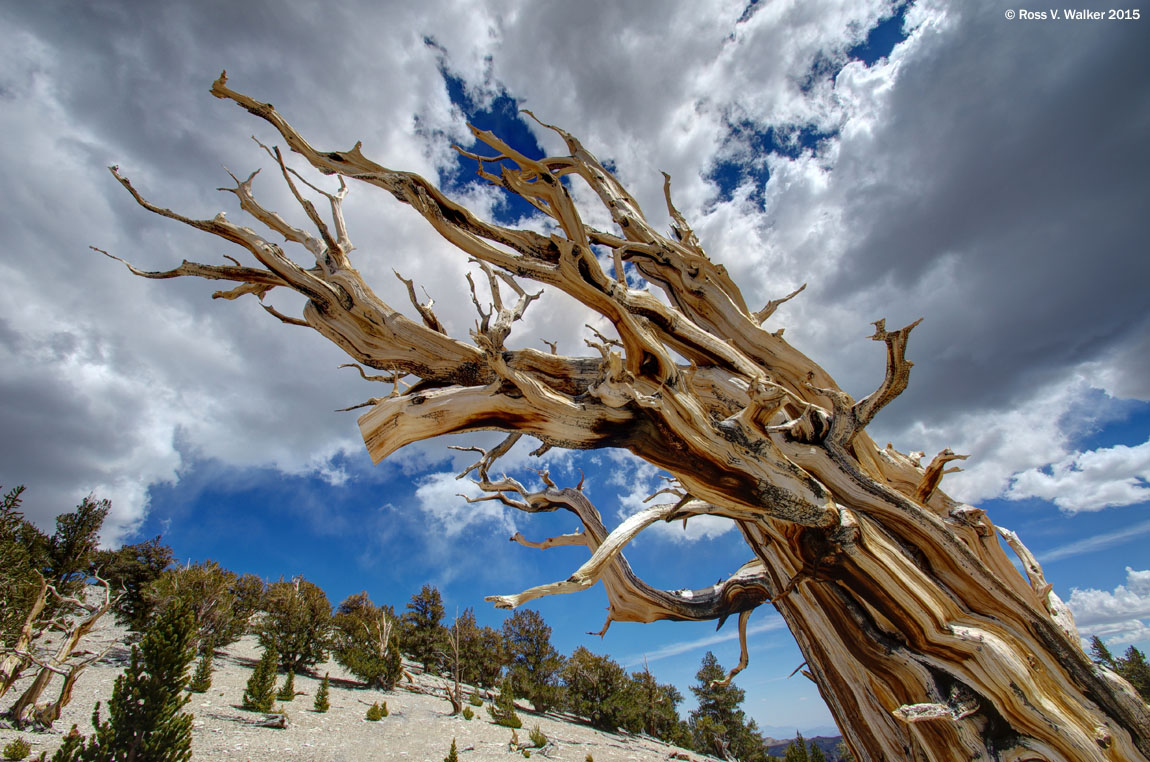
(923, 638)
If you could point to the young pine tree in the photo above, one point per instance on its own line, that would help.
(287, 691)
(202, 678)
(145, 723)
(453, 755)
(260, 693)
(322, 702)
(503, 710)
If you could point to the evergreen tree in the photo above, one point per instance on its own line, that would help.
(202, 679)
(365, 641)
(322, 703)
(259, 695)
(453, 755)
(495, 657)
(797, 750)
(534, 662)
(287, 691)
(1101, 653)
(21, 547)
(597, 688)
(145, 723)
(503, 710)
(1132, 666)
(72, 548)
(719, 723)
(296, 623)
(481, 652)
(655, 705)
(130, 570)
(816, 753)
(423, 633)
(210, 592)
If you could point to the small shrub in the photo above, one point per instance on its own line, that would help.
(374, 713)
(590, 758)
(17, 749)
(322, 704)
(474, 700)
(260, 693)
(527, 754)
(383, 709)
(287, 692)
(503, 710)
(202, 679)
(538, 739)
(453, 755)
(467, 713)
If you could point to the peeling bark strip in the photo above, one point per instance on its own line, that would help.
(922, 637)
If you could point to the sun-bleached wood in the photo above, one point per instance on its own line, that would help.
(923, 638)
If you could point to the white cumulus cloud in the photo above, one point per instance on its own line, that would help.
(1089, 480)
(1118, 616)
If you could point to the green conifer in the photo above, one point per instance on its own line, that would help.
(797, 750)
(260, 693)
(322, 703)
(467, 713)
(383, 709)
(374, 713)
(19, 748)
(453, 755)
(503, 710)
(202, 679)
(144, 717)
(287, 691)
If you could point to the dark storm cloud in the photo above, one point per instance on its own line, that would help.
(1016, 155)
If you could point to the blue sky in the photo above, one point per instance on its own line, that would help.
(925, 160)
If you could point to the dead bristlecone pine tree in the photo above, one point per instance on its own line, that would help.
(922, 636)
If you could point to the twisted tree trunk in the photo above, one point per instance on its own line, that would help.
(924, 640)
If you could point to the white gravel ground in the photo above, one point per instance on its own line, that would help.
(418, 727)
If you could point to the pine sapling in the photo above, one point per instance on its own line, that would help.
(287, 692)
(475, 700)
(453, 755)
(467, 713)
(538, 739)
(383, 709)
(260, 693)
(202, 678)
(19, 748)
(503, 710)
(144, 717)
(374, 713)
(322, 703)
